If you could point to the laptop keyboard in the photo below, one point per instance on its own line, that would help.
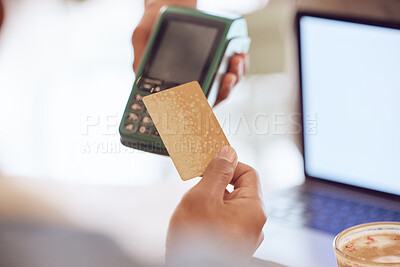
(323, 212)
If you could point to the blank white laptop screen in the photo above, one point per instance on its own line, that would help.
(351, 98)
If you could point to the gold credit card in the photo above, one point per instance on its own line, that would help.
(187, 126)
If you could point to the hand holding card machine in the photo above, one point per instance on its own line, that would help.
(185, 45)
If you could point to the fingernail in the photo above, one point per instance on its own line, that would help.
(227, 153)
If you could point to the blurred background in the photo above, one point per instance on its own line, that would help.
(65, 76)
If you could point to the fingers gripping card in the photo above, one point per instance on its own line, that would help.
(187, 126)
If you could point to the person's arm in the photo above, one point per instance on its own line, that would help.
(214, 227)
(237, 65)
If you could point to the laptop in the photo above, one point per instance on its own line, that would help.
(349, 74)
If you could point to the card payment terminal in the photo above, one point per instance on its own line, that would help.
(185, 45)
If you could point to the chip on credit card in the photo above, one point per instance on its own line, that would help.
(187, 126)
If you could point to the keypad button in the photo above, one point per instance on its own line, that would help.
(130, 127)
(146, 87)
(157, 89)
(137, 107)
(133, 117)
(144, 130)
(147, 120)
(148, 80)
(156, 134)
(139, 97)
